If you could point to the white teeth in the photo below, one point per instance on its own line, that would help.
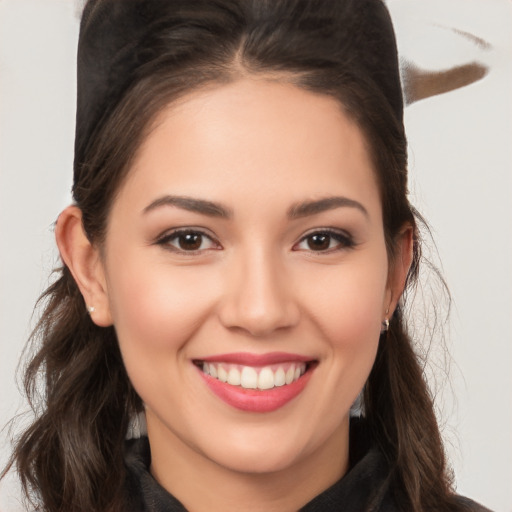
(266, 378)
(234, 377)
(222, 374)
(279, 377)
(249, 378)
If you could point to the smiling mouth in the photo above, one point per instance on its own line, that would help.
(256, 383)
(255, 378)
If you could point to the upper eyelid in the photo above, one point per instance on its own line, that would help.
(329, 230)
(177, 231)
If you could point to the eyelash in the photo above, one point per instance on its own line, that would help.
(166, 240)
(344, 241)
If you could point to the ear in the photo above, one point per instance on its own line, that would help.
(84, 262)
(399, 269)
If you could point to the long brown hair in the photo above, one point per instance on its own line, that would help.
(71, 457)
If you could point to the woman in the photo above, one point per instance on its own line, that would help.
(234, 266)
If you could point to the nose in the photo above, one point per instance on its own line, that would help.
(258, 296)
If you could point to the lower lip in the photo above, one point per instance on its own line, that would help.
(253, 400)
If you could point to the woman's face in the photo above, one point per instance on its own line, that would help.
(247, 276)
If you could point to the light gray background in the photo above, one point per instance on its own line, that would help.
(461, 179)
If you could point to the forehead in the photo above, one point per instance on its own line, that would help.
(253, 140)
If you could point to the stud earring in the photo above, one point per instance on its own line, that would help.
(91, 309)
(385, 325)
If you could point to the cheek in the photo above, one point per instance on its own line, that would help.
(156, 306)
(157, 309)
(347, 305)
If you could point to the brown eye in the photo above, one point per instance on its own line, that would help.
(190, 241)
(325, 241)
(319, 241)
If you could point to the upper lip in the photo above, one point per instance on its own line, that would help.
(250, 359)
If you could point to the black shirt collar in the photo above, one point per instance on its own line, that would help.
(364, 488)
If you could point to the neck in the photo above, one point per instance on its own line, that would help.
(202, 484)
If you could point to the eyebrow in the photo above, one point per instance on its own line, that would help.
(307, 208)
(192, 205)
(212, 209)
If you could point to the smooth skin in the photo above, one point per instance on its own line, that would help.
(261, 264)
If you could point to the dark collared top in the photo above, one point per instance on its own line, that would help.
(365, 488)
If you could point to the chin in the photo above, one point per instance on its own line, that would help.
(256, 461)
(262, 449)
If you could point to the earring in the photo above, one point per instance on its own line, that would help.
(91, 309)
(385, 325)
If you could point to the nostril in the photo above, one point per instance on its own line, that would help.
(259, 321)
